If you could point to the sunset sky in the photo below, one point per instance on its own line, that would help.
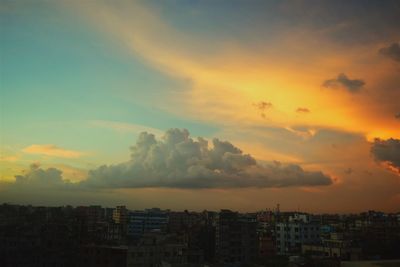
(201, 104)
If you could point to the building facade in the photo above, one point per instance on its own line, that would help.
(292, 234)
(236, 238)
(143, 221)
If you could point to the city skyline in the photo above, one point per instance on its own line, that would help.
(201, 105)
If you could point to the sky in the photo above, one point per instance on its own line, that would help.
(201, 104)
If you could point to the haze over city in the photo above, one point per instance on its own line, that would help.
(201, 104)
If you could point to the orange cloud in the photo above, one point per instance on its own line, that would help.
(285, 71)
(52, 151)
(9, 158)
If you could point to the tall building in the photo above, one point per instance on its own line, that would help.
(236, 237)
(117, 229)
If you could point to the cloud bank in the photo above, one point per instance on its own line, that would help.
(351, 85)
(179, 161)
(387, 151)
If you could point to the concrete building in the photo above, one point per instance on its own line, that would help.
(120, 215)
(236, 238)
(336, 246)
(143, 221)
(156, 249)
(182, 221)
(292, 234)
(266, 246)
(102, 256)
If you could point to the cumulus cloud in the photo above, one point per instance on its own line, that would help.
(38, 177)
(342, 81)
(52, 150)
(388, 152)
(179, 161)
(303, 110)
(392, 51)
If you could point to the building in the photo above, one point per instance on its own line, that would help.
(120, 215)
(292, 234)
(103, 256)
(236, 237)
(182, 221)
(143, 221)
(336, 246)
(156, 249)
(266, 246)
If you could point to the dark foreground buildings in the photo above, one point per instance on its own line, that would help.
(117, 237)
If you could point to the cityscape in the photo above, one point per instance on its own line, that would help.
(118, 237)
(199, 133)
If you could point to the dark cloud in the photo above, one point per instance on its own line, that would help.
(392, 51)
(348, 171)
(179, 161)
(262, 106)
(303, 110)
(387, 151)
(397, 116)
(353, 86)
